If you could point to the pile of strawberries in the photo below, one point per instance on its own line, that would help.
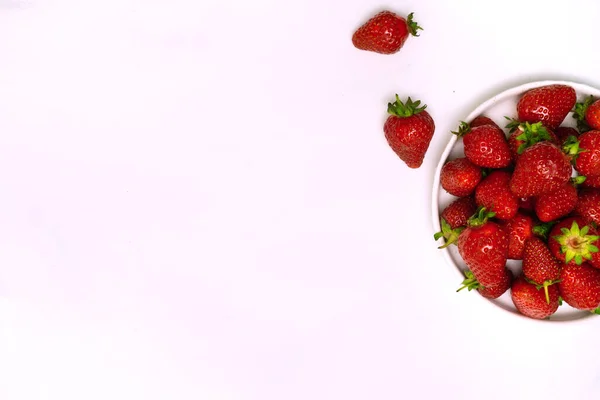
(532, 195)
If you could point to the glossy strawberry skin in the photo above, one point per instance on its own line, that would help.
(494, 194)
(591, 182)
(493, 292)
(483, 120)
(458, 212)
(548, 104)
(384, 33)
(531, 301)
(539, 265)
(518, 229)
(409, 137)
(555, 247)
(592, 115)
(541, 168)
(485, 249)
(486, 146)
(587, 163)
(556, 204)
(563, 132)
(460, 177)
(588, 205)
(580, 286)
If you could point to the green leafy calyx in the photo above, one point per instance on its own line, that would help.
(579, 114)
(576, 244)
(451, 235)
(470, 282)
(480, 217)
(404, 110)
(531, 134)
(463, 129)
(413, 26)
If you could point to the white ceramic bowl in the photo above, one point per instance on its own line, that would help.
(503, 104)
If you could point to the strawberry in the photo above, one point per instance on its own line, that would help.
(524, 135)
(485, 145)
(548, 104)
(409, 130)
(540, 169)
(518, 229)
(563, 133)
(483, 246)
(587, 114)
(591, 182)
(460, 177)
(483, 120)
(526, 203)
(580, 286)
(539, 265)
(494, 194)
(454, 218)
(573, 242)
(558, 203)
(588, 206)
(489, 292)
(586, 151)
(531, 301)
(385, 33)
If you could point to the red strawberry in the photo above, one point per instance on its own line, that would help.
(573, 242)
(485, 145)
(591, 182)
(548, 104)
(489, 292)
(531, 301)
(483, 246)
(588, 205)
(558, 203)
(385, 33)
(460, 177)
(587, 114)
(518, 229)
(540, 169)
(409, 130)
(563, 133)
(494, 194)
(483, 120)
(454, 219)
(524, 135)
(586, 152)
(580, 286)
(539, 265)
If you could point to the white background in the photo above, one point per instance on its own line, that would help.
(198, 202)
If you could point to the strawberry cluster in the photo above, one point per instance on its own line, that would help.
(531, 193)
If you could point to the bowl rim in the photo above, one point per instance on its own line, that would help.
(480, 109)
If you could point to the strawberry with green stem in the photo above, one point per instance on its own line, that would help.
(572, 241)
(585, 151)
(525, 134)
(385, 33)
(489, 292)
(539, 265)
(454, 218)
(485, 145)
(587, 114)
(531, 301)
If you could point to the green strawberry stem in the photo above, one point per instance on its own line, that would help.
(470, 282)
(579, 114)
(400, 109)
(451, 235)
(545, 286)
(571, 147)
(480, 217)
(596, 311)
(560, 300)
(413, 26)
(463, 129)
(543, 229)
(578, 180)
(576, 244)
(512, 125)
(531, 134)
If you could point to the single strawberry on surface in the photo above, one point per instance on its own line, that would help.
(572, 241)
(531, 301)
(460, 177)
(489, 292)
(494, 194)
(485, 145)
(548, 104)
(588, 206)
(539, 265)
(586, 152)
(454, 218)
(408, 131)
(385, 33)
(558, 203)
(540, 169)
(580, 286)
(483, 246)
(519, 229)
